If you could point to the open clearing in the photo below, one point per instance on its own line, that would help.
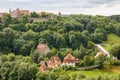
(112, 39)
(95, 73)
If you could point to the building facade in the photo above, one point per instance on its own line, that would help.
(43, 49)
(18, 13)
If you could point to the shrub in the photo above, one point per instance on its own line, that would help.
(78, 76)
(115, 62)
(11, 57)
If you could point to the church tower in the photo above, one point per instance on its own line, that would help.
(59, 13)
(9, 11)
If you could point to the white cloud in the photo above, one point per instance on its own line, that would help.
(19, 0)
(93, 7)
(4, 10)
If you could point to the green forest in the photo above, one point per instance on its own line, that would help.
(75, 34)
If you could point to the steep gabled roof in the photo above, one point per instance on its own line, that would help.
(69, 59)
(55, 58)
(54, 61)
(43, 67)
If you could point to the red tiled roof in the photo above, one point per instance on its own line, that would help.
(41, 62)
(26, 12)
(43, 67)
(55, 58)
(54, 61)
(69, 59)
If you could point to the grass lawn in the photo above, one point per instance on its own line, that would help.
(107, 47)
(95, 73)
(112, 39)
(112, 68)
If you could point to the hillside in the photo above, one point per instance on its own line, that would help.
(112, 40)
(54, 48)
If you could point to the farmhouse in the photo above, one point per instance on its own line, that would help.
(54, 62)
(69, 60)
(43, 49)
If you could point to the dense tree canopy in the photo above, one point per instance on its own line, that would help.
(115, 51)
(75, 34)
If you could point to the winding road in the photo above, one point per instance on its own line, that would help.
(101, 49)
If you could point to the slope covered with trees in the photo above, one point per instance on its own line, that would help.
(75, 34)
(61, 32)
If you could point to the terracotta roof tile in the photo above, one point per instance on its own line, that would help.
(69, 59)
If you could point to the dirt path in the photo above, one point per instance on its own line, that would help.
(101, 49)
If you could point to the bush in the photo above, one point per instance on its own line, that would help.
(46, 75)
(78, 76)
(80, 63)
(11, 57)
(100, 60)
(115, 62)
(4, 58)
(63, 77)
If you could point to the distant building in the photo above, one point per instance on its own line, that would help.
(59, 13)
(99, 54)
(2, 14)
(17, 13)
(54, 61)
(69, 60)
(43, 48)
(25, 12)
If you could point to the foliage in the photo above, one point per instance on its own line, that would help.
(100, 60)
(115, 51)
(46, 76)
(87, 61)
(77, 76)
(115, 62)
(6, 20)
(75, 34)
(34, 14)
(112, 39)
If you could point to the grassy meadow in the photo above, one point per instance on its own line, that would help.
(112, 39)
(96, 73)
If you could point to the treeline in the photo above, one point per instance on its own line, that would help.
(22, 35)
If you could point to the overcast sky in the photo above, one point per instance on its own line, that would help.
(92, 7)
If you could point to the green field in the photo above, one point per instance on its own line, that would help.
(95, 73)
(112, 68)
(107, 47)
(112, 39)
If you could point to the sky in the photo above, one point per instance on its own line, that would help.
(89, 7)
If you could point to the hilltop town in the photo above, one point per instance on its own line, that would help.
(17, 13)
